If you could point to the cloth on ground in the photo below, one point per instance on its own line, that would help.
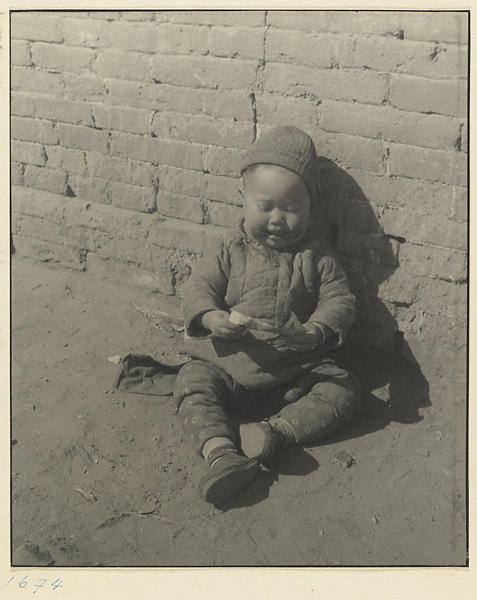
(143, 374)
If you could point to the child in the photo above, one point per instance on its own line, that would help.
(290, 304)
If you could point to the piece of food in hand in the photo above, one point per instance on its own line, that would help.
(292, 326)
(240, 319)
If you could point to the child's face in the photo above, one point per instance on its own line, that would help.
(276, 206)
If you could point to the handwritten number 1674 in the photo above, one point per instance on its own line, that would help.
(23, 583)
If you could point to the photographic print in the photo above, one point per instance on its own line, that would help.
(239, 288)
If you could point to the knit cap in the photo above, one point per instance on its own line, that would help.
(288, 147)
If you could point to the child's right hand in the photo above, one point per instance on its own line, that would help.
(218, 321)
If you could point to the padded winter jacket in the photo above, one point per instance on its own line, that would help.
(267, 284)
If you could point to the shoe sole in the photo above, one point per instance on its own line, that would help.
(255, 442)
(228, 484)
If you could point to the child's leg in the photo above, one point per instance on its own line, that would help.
(201, 393)
(331, 402)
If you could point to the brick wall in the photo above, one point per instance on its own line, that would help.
(126, 129)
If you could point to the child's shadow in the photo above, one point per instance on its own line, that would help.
(394, 388)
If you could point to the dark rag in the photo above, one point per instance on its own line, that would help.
(143, 374)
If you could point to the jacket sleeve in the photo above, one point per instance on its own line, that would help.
(205, 289)
(336, 304)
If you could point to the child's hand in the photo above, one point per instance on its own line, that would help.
(307, 341)
(218, 321)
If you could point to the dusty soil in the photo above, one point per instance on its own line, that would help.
(103, 477)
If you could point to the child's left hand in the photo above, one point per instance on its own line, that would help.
(306, 341)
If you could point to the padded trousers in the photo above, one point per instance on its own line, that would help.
(315, 405)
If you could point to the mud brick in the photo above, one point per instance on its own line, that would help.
(204, 130)
(70, 160)
(304, 112)
(65, 111)
(300, 48)
(121, 170)
(43, 178)
(20, 53)
(123, 65)
(441, 297)
(133, 197)
(131, 36)
(124, 249)
(393, 285)
(38, 203)
(381, 250)
(223, 189)
(180, 207)
(181, 39)
(425, 25)
(431, 165)
(220, 161)
(227, 105)
(83, 138)
(130, 274)
(205, 72)
(63, 59)
(237, 41)
(182, 181)
(33, 130)
(390, 54)
(87, 32)
(121, 223)
(436, 230)
(22, 104)
(84, 87)
(337, 84)
(224, 215)
(157, 151)
(37, 81)
(124, 119)
(28, 152)
(351, 151)
(433, 131)
(36, 27)
(16, 173)
(155, 96)
(419, 94)
(460, 200)
(355, 215)
(49, 251)
(425, 197)
(429, 295)
(234, 18)
(199, 185)
(43, 229)
(431, 262)
(185, 236)
(90, 189)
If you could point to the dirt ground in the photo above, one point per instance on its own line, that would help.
(104, 478)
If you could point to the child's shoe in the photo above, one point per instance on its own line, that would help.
(261, 441)
(227, 475)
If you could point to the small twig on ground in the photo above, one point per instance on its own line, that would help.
(86, 495)
(161, 519)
